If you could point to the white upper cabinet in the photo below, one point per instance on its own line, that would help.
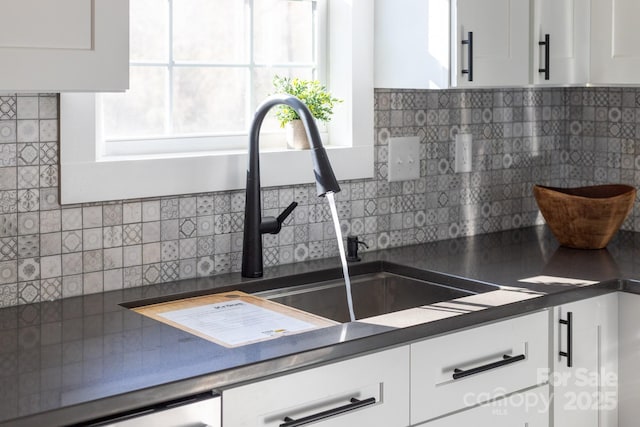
(615, 47)
(419, 43)
(490, 43)
(426, 44)
(412, 44)
(560, 42)
(64, 45)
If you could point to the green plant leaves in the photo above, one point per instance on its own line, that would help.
(311, 92)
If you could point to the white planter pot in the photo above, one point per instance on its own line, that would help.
(296, 135)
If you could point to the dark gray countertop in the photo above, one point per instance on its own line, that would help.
(75, 359)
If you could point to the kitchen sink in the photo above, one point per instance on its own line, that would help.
(373, 294)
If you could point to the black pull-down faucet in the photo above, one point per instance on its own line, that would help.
(254, 225)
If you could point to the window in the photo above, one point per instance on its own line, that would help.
(106, 160)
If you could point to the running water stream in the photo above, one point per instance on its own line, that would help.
(345, 270)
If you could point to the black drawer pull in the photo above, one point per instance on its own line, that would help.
(547, 48)
(569, 353)
(506, 360)
(355, 404)
(469, 42)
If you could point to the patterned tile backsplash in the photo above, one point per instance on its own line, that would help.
(564, 136)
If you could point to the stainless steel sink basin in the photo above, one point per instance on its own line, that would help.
(373, 294)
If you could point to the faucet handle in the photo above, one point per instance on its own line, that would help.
(273, 225)
(285, 213)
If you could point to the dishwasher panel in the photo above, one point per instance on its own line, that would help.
(203, 410)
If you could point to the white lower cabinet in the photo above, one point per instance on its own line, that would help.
(371, 390)
(526, 409)
(584, 380)
(523, 371)
(629, 350)
(464, 369)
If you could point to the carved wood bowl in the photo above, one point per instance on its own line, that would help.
(585, 217)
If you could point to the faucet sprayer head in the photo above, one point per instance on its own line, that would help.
(325, 179)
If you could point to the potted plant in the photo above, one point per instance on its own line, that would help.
(314, 95)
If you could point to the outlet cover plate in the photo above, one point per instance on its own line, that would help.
(463, 154)
(404, 158)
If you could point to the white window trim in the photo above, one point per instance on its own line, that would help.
(88, 177)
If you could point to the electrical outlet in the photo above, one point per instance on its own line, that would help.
(404, 158)
(463, 153)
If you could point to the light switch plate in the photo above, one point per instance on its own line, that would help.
(404, 158)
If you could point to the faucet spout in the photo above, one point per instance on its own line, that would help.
(254, 226)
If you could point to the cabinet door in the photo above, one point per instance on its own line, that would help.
(379, 381)
(585, 393)
(412, 44)
(64, 45)
(615, 51)
(629, 350)
(526, 409)
(565, 24)
(500, 43)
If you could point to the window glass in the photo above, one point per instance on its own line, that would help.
(201, 67)
(149, 27)
(210, 31)
(209, 100)
(141, 110)
(283, 31)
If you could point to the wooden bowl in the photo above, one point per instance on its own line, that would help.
(585, 217)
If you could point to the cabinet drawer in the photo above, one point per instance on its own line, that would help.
(486, 362)
(328, 390)
(527, 409)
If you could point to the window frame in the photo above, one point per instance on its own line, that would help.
(89, 176)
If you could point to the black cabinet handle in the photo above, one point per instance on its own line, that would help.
(355, 404)
(569, 353)
(506, 360)
(469, 41)
(547, 48)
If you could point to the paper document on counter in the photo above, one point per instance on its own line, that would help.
(236, 322)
